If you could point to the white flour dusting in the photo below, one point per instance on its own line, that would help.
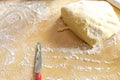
(53, 57)
(94, 51)
(99, 68)
(14, 33)
(89, 68)
(118, 73)
(13, 18)
(43, 12)
(8, 60)
(90, 60)
(107, 62)
(49, 66)
(75, 57)
(51, 78)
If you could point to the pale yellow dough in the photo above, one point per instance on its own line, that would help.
(92, 21)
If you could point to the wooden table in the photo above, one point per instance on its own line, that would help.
(65, 56)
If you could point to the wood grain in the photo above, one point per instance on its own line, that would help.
(65, 57)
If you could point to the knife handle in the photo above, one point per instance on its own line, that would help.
(38, 76)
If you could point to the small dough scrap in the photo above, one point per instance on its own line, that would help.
(92, 21)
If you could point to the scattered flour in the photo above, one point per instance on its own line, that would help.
(51, 78)
(94, 51)
(89, 68)
(43, 12)
(118, 73)
(99, 68)
(107, 62)
(47, 66)
(62, 65)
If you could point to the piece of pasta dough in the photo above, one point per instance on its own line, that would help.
(92, 21)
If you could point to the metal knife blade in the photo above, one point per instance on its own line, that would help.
(38, 61)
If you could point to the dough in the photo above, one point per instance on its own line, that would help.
(92, 21)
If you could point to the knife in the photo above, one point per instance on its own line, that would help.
(116, 3)
(38, 63)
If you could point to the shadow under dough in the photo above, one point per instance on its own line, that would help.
(64, 39)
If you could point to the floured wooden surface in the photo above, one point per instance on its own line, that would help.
(65, 57)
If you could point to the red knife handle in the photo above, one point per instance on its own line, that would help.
(38, 76)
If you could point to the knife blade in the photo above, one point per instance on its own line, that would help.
(38, 63)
